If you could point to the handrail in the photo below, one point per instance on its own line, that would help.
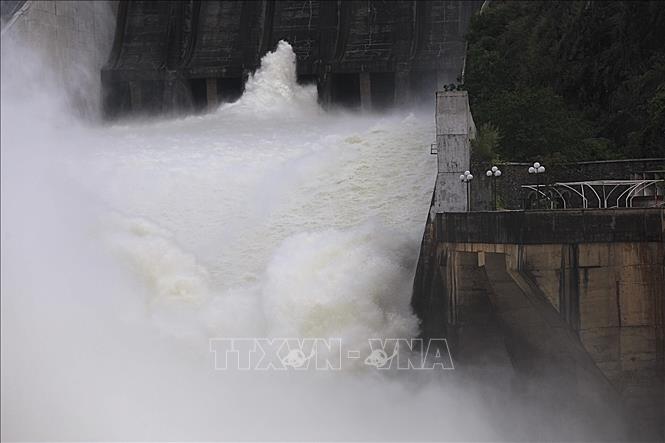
(628, 194)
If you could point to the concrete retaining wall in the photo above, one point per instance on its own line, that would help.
(545, 227)
(600, 272)
(454, 130)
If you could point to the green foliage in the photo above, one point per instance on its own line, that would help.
(570, 80)
(486, 142)
(535, 123)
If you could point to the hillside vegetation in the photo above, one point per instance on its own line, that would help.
(568, 81)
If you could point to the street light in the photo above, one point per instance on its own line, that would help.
(492, 174)
(537, 169)
(466, 178)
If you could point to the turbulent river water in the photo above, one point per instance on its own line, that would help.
(126, 247)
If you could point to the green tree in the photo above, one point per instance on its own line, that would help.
(574, 80)
(486, 142)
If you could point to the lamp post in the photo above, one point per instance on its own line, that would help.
(466, 179)
(537, 169)
(493, 173)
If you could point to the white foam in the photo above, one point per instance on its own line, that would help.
(273, 89)
(125, 248)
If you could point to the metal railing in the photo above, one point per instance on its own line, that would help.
(603, 194)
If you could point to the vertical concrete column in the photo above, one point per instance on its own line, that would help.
(324, 86)
(365, 91)
(454, 129)
(211, 93)
(135, 95)
(569, 286)
(168, 99)
(402, 90)
(452, 276)
(245, 76)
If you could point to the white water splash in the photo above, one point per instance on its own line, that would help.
(125, 248)
(273, 89)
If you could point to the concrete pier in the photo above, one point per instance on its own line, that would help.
(365, 91)
(454, 130)
(402, 90)
(211, 93)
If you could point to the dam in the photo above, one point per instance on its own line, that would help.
(170, 56)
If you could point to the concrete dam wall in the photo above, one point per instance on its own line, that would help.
(575, 292)
(171, 56)
(73, 38)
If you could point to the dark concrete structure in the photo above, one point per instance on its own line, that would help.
(576, 297)
(546, 227)
(570, 299)
(173, 55)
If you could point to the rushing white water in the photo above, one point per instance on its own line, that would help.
(304, 219)
(125, 248)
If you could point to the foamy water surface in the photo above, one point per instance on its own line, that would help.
(126, 247)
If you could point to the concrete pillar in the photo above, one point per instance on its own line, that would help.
(454, 128)
(168, 96)
(135, 95)
(402, 88)
(569, 286)
(211, 93)
(365, 92)
(325, 89)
